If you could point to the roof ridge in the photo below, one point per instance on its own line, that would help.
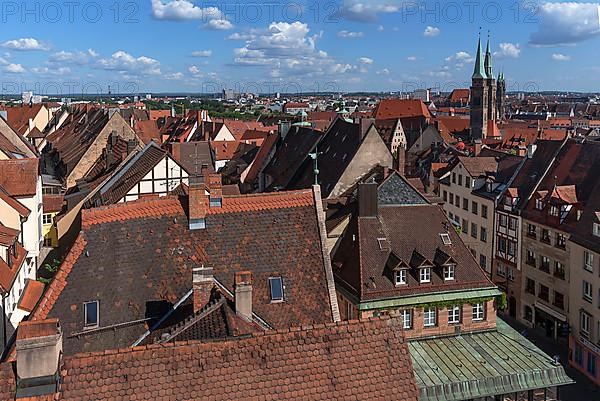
(392, 319)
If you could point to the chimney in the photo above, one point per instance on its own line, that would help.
(39, 349)
(477, 147)
(531, 148)
(367, 199)
(132, 121)
(202, 279)
(198, 205)
(364, 124)
(31, 124)
(401, 160)
(243, 295)
(215, 189)
(131, 145)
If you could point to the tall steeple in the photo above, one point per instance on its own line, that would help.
(479, 71)
(488, 60)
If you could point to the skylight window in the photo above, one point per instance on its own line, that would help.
(446, 238)
(276, 286)
(91, 314)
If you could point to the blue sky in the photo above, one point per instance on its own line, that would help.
(269, 46)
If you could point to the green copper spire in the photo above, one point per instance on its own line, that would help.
(479, 71)
(488, 60)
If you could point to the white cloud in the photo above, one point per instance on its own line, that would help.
(126, 63)
(384, 71)
(431, 32)
(566, 23)
(218, 25)
(3, 61)
(194, 70)
(78, 57)
(61, 71)
(508, 50)
(367, 10)
(380, 28)
(412, 58)
(14, 69)
(177, 76)
(202, 53)
(560, 57)
(365, 60)
(288, 49)
(184, 10)
(350, 35)
(459, 59)
(242, 36)
(25, 44)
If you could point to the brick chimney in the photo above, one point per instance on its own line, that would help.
(39, 349)
(401, 160)
(215, 189)
(477, 147)
(243, 295)
(367, 200)
(202, 279)
(198, 203)
(364, 124)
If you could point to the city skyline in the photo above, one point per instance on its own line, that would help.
(348, 46)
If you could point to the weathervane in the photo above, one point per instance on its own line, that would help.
(315, 157)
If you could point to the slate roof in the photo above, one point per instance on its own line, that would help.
(192, 155)
(397, 190)
(582, 234)
(412, 233)
(348, 360)
(152, 252)
(291, 154)
(19, 177)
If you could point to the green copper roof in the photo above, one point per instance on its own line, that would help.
(479, 365)
(479, 71)
(488, 61)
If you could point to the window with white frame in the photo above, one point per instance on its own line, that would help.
(406, 318)
(596, 229)
(425, 275)
(539, 205)
(400, 277)
(553, 211)
(478, 311)
(46, 218)
(585, 325)
(429, 317)
(587, 291)
(588, 261)
(449, 272)
(454, 314)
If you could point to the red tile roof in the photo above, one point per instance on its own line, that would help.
(360, 360)
(15, 204)
(401, 108)
(261, 157)
(460, 96)
(38, 328)
(31, 295)
(224, 150)
(19, 177)
(52, 203)
(8, 236)
(8, 274)
(18, 117)
(148, 131)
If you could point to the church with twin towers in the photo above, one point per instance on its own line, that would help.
(487, 96)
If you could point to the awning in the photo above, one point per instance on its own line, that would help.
(550, 311)
(481, 365)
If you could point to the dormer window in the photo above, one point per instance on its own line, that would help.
(425, 275)
(449, 272)
(596, 229)
(539, 205)
(400, 277)
(553, 211)
(91, 311)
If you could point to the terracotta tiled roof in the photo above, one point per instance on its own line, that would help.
(52, 203)
(31, 295)
(401, 108)
(259, 161)
(8, 274)
(406, 229)
(18, 117)
(148, 131)
(156, 114)
(8, 236)
(15, 204)
(153, 251)
(460, 96)
(479, 166)
(19, 177)
(224, 150)
(350, 360)
(33, 329)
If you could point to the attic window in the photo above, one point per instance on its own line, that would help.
(449, 272)
(91, 311)
(596, 230)
(276, 286)
(382, 242)
(400, 277)
(553, 211)
(446, 238)
(539, 205)
(425, 275)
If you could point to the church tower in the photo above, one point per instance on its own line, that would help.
(483, 93)
(500, 96)
(479, 97)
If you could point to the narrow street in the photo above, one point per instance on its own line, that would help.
(583, 389)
